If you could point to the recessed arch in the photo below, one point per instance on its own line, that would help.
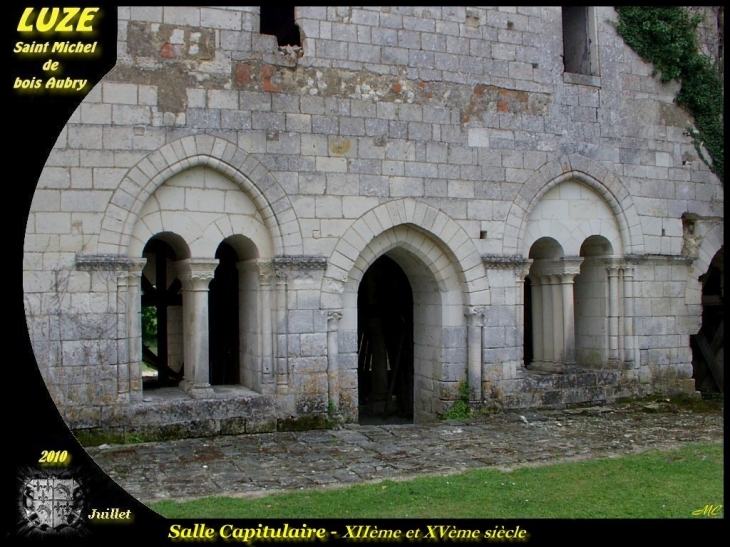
(587, 172)
(571, 212)
(204, 207)
(217, 154)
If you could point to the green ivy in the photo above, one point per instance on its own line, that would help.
(665, 36)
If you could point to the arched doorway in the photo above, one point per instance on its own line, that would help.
(708, 345)
(385, 344)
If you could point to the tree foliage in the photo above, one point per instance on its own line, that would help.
(665, 36)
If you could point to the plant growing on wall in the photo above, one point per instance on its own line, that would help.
(665, 36)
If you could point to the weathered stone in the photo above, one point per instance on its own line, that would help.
(430, 136)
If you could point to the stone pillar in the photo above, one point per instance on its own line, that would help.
(129, 331)
(572, 268)
(538, 350)
(266, 283)
(195, 275)
(547, 320)
(556, 318)
(282, 328)
(613, 312)
(134, 330)
(475, 322)
(521, 272)
(333, 352)
(554, 347)
(629, 358)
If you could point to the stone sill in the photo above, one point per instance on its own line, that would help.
(581, 79)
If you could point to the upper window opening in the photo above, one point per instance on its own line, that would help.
(580, 54)
(279, 21)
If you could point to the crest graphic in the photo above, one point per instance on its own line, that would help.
(52, 503)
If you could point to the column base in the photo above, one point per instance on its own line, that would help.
(197, 391)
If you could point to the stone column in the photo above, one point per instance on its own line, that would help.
(282, 327)
(266, 282)
(475, 322)
(134, 330)
(556, 309)
(195, 275)
(613, 311)
(521, 272)
(538, 350)
(572, 268)
(556, 318)
(628, 272)
(333, 352)
(129, 331)
(547, 320)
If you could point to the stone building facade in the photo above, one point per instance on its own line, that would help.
(413, 201)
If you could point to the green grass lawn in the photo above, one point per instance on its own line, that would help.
(649, 485)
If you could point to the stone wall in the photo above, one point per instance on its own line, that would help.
(448, 138)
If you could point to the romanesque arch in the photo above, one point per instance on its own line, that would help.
(235, 164)
(587, 172)
(579, 291)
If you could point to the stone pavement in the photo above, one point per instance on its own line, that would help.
(251, 465)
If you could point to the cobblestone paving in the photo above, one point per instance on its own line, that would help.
(251, 465)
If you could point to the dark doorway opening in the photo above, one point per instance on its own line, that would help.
(160, 293)
(527, 321)
(385, 344)
(708, 345)
(223, 319)
(279, 21)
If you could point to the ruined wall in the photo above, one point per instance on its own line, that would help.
(460, 118)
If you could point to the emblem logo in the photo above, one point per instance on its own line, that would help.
(52, 503)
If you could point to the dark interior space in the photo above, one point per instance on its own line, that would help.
(223, 319)
(157, 296)
(279, 21)
(385, 344)
(708, 345)
(527, 310)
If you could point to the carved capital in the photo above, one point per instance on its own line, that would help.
(195, 274)
(474, 316)
(568, 265)
(266, 270)
(334, 316)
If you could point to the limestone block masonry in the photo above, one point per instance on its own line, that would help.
(416, 198)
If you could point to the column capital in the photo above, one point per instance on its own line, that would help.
(522, 270)
(567, 265)
(474, 316)
(135, 267)
(334, 316)
(196, 273)
(267, 272)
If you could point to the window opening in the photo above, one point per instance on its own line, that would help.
(279, 21)
(579, 41)
(223, 314)
(161, 298)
